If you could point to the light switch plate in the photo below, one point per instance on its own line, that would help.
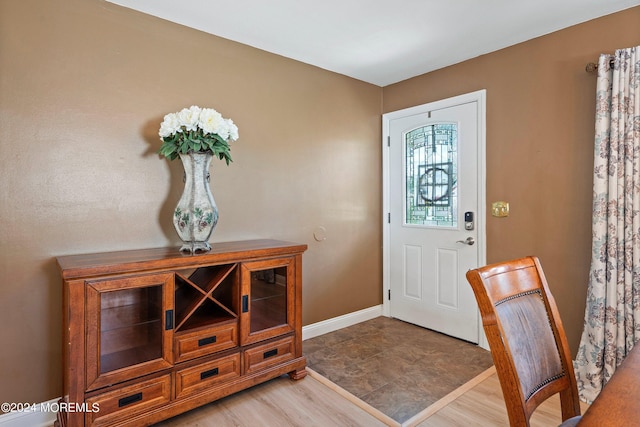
(500, 209)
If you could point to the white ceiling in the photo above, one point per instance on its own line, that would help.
(379, 41)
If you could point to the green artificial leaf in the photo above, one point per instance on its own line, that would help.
(184, 147)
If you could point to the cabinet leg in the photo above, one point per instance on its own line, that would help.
(298, 374)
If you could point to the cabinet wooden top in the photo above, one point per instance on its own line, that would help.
(96, 264)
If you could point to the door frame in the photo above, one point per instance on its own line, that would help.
(480, 98)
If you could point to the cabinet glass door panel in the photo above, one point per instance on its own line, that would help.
(267, 299)
(131, 326)
(131, 335)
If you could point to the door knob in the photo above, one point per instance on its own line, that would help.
(470, 241)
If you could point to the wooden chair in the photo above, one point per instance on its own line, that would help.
(526, 337)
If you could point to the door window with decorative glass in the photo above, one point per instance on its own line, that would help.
(431, 171)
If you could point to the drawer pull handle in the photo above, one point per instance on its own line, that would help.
(206, 341)
(129, 400)
(210, 373)
(270, 353)
(245, 303)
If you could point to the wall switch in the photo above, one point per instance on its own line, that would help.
(500, 209)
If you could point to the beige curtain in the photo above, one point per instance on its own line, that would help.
(612, 315)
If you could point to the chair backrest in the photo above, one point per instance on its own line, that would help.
(526, 337)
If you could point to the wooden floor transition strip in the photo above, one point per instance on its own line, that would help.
(446, 400)
(420, 416)
(353, 399)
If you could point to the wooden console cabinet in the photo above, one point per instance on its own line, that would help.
(149, 334)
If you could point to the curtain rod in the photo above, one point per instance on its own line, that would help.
(592, 67)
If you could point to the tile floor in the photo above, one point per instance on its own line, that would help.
(396, 367)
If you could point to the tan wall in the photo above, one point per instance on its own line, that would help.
(84, 85)
(540, 128)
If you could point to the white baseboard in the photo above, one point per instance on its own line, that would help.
(36, 417)
(335, 323)
(40, 415)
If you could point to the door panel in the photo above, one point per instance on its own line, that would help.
(447, 274)
(433, 179)
(413, 271)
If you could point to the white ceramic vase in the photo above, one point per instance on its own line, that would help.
(196, 214)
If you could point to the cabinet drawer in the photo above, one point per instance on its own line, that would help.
(206, 341)
(205, 375)
(267, 355)
(128, 401)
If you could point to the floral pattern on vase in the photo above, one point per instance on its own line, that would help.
(196, 214)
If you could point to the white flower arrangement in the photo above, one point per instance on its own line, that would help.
(197, 130)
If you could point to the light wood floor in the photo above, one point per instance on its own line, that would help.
(480, 403)
(315, 401)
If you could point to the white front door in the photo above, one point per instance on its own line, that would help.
(435, 218)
